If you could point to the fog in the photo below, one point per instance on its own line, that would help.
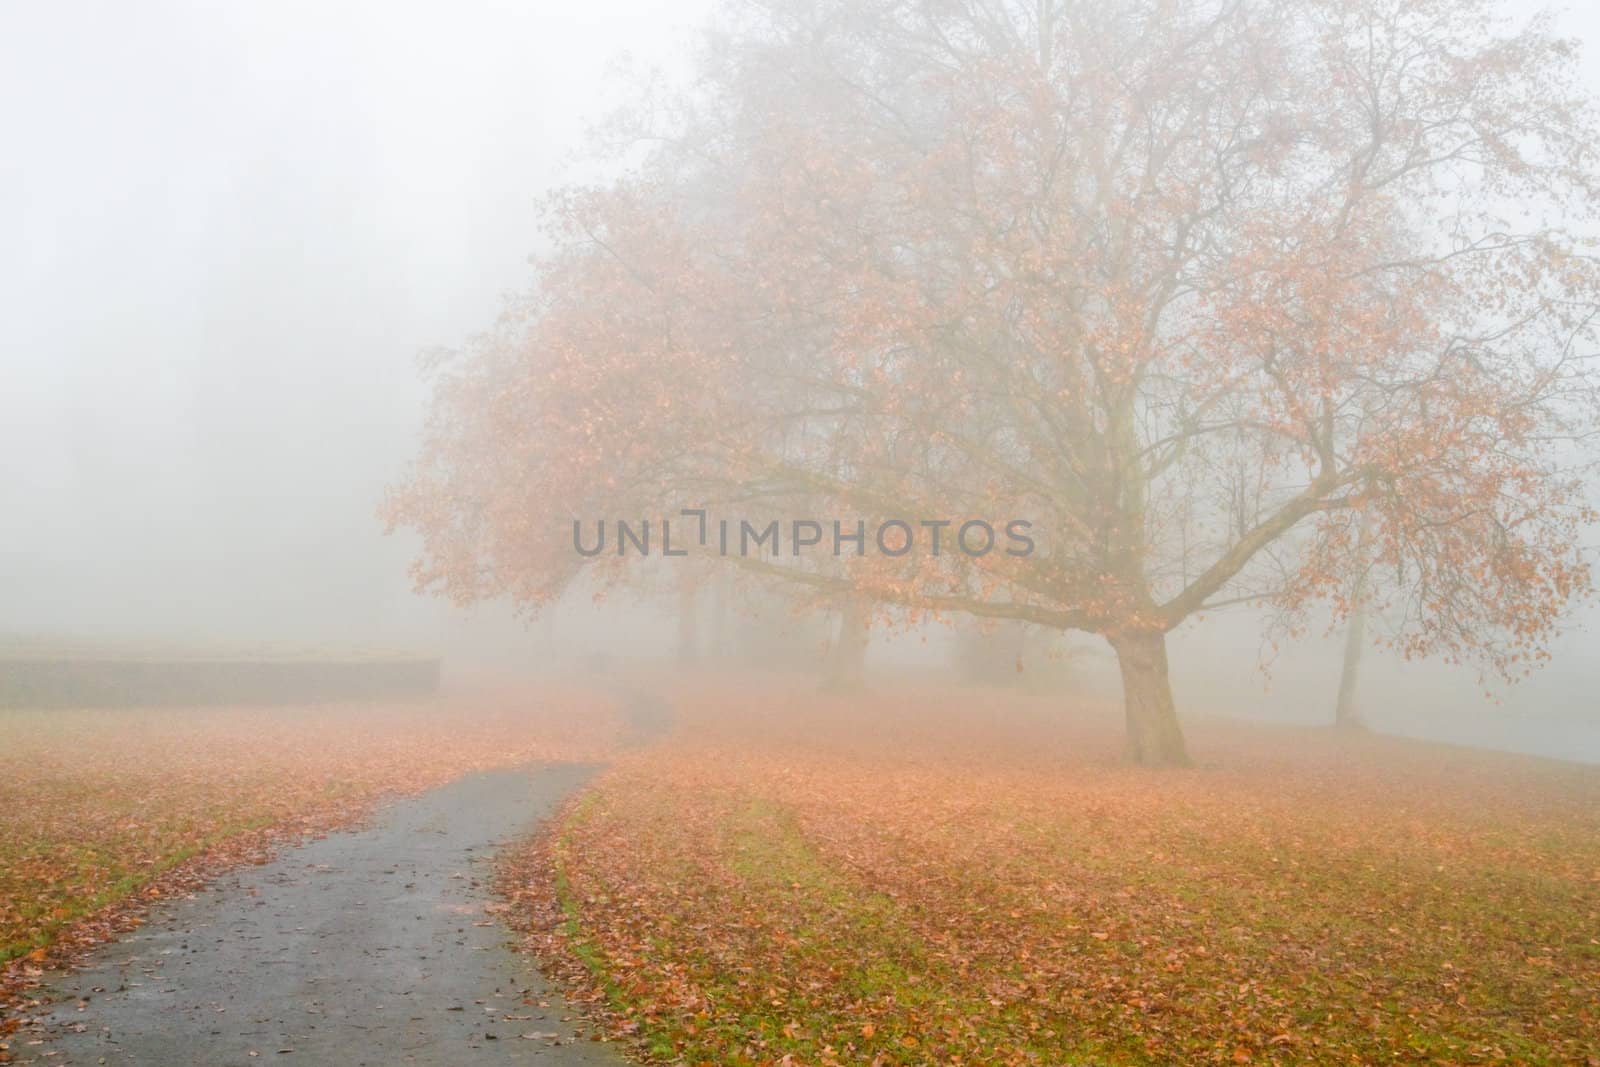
(229, 232)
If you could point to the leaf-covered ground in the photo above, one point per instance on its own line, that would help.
(970, 877)
(103, 810)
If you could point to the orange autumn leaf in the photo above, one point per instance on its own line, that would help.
(1190, 304)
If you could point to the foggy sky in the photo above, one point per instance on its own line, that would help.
(226, 232)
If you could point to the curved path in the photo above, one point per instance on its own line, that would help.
(366, 947)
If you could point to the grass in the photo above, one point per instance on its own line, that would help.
(972, 878)
(103, 808)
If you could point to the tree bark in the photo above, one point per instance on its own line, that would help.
(1355, 637)
(688, 618)
(847, 660)
(720, 597)
(1154, 737)
(1355, 640)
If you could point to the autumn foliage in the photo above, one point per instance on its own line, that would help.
(104, 810)
(968, 879)
(1202, 290)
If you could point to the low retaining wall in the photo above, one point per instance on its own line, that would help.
(58, 683)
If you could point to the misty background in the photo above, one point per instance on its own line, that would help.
(227, 232)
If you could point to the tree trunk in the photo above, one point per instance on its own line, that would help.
(720, 597)
(847, 659)
(1355, 638)
(1355, 641)
(1154, 737)
(991, 656)
(688, 618)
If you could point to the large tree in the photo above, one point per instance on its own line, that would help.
(1200, 288)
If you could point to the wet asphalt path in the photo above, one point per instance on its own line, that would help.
(373, 946)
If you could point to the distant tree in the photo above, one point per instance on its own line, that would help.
(847, 651)
(992, 653)
(688, 616)
(1134, 271)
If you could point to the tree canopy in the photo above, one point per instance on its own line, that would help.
(1201, 289)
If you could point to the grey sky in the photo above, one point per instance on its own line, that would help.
(226, 231)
